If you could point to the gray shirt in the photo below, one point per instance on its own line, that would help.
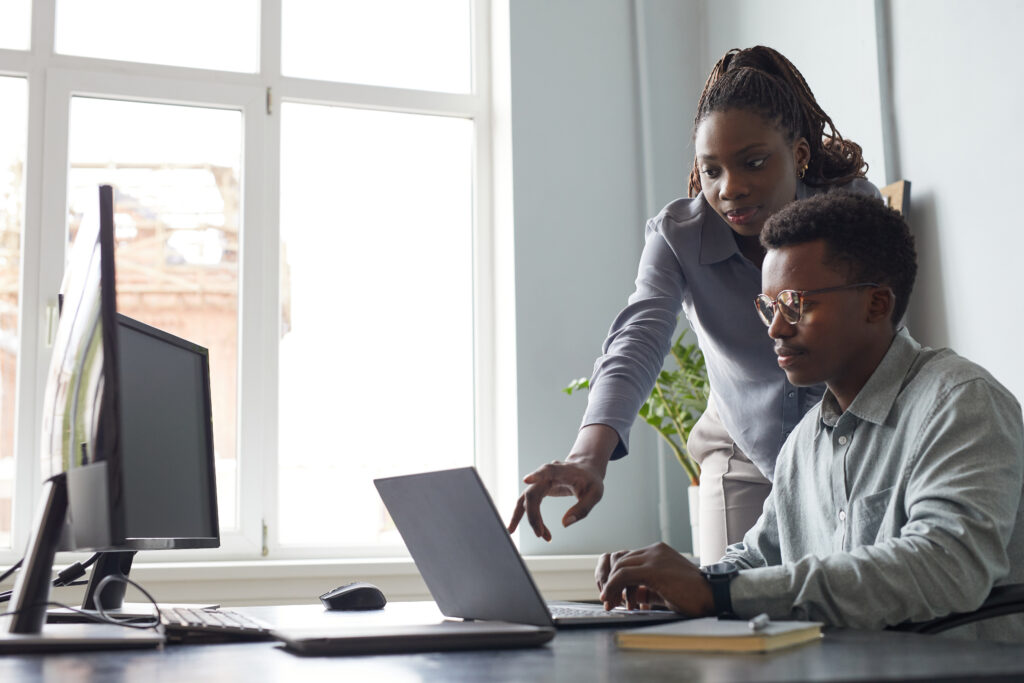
(691, 262)
(904, 507)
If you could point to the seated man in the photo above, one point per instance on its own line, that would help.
(898, 498)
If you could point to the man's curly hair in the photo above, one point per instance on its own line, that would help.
(867, 239)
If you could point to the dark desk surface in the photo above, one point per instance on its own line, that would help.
(578, 655)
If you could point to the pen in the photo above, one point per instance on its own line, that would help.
(759, 623)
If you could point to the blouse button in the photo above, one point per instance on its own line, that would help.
(842, 515)
(843, 440)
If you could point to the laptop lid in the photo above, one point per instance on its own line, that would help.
(461, 548)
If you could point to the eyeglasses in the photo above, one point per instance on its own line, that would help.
(790, 302)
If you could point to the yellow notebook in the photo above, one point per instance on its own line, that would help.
(711, 634)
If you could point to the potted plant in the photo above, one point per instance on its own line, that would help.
(678, 399)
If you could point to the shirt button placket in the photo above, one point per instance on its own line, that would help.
(842, 441)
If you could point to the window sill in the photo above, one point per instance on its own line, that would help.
(281, 582)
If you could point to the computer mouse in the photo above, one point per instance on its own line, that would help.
(358, 595)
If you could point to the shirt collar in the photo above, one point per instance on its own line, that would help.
(716, 237)
(875, 400)
(716, 241)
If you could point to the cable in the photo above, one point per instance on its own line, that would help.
(74, 571)
(13, 569)
(101, 616)
(66, 577)
(6, 595)
(124, 579)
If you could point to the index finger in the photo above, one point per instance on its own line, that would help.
(517, 515)
(532, 497)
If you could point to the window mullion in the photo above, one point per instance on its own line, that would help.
(266, 282)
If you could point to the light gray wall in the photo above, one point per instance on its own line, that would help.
(580, 204)
(957, 80)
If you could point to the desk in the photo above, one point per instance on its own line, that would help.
(575, 655)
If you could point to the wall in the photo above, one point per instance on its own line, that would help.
(580, 186)
(957, 75)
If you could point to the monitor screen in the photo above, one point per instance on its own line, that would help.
(167, 477)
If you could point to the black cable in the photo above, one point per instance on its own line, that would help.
(154, 624)
(74, 571)
(66, 577)
(13, 569)
(6, 595)
(100, 616)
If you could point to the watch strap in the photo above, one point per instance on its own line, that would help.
(719, 576)
(722, 595)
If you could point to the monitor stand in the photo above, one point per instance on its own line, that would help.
(23, 630)
(116, 564)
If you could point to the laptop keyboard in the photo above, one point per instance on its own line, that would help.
(569, 612)
(193, 625)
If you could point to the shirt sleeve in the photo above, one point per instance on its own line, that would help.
(640, 336)
(961, 497)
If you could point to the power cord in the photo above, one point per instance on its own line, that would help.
(74, 571)
(10, 571)
(101, 616)
(66, 577)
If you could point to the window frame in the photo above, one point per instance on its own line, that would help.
(53, 79)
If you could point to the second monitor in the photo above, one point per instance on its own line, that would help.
(168, 492)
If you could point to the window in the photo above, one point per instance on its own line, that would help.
(394, 43)
(16, 24)
(312, 210)
(222, 35)
(13, 121)
(376, 310)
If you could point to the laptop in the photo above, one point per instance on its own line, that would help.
(467, 559)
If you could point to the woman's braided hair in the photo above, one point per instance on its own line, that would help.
(760, 79)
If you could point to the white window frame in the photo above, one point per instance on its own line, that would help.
(53, 79)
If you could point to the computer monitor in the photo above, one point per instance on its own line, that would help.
(167, 495)
(127, 435)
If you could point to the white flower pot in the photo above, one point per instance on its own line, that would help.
(693, 493)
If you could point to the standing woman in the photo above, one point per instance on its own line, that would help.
(761, 141)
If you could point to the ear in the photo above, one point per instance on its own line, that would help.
(881, 304)
(801, 152)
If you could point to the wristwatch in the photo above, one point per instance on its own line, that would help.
(719, 576)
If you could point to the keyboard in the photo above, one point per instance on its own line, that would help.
(568, 614)
(565, 611)
(194, 625)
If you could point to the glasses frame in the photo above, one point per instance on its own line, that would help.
(798, 301)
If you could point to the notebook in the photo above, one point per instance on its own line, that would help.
(467, 559)
(711, 634)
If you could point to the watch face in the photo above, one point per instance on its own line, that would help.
(720, 569)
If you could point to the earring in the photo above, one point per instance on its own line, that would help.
(802, 172)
